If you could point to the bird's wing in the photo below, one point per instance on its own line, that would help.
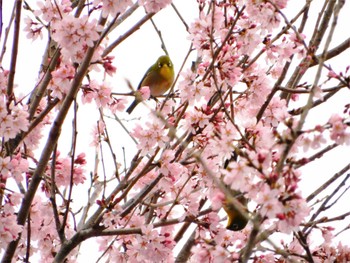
(144, 76)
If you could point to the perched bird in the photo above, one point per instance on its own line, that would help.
(159, 78)
(235, 219)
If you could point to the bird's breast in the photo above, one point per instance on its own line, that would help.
(162, 82)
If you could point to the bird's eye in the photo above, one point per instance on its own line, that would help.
(169, 64)
(159, 65)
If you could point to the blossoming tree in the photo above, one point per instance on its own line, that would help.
(240, 118)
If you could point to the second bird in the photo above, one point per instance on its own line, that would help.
(159, 78)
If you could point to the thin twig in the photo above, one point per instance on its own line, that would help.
(7, 31)
(328, 183)
(180, 16)
(132, 30)
(159, 33)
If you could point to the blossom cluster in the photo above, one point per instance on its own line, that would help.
(13, 115)
(151, 137)
(75, 35)
(43, 235)
(8, 226)
(65, 174)
(101, 95)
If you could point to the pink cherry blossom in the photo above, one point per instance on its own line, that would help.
(64, 175)
(276, 112)
(153, 6)
(13, 118)
(145, 92)
(112, 7)
(33, 29)
(340, 132)
(61, 79)
(51, 12)
(269, 200)
(75, 35)
(152, 135)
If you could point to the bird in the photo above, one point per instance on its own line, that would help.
(236, 220)
(159, 78)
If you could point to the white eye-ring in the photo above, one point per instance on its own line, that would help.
(159, 65)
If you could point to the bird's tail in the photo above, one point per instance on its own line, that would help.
(132, 106)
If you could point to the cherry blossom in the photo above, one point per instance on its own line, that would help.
(65, 174)
(339, 131)
(75, 35)
(13, 119)
(52, 11)
(153, 6)
(145, 92)
(34, 29)
(61, 79)
(100, 93)
(150, 136)
(9, 227)
(112, 7)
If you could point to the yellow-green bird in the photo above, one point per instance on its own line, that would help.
(235, 219)
(159, 78)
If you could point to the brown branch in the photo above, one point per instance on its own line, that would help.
(332, 53)
(72, 157)
(39, 91)
(108, 141)
(84, 234)
(325, 98)
(40, 117)
(252, 240)
(185, 251)
(316, 155)
(306, 90)
(53, 196)
(161, 223)
(180, 16)
(135, 201)
(159, 33)
(14, 52)
(325, 219)
(302, 238)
